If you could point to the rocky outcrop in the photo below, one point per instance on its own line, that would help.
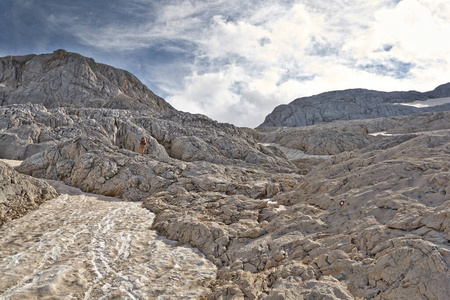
(350, 105)
(19, 193)
(340, 136)
(31, 128)
(96, 167)
(318, 141)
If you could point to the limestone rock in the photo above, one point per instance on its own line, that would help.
(350, 105)
(370, 221)
(31, 128)
(20, 193)
(318, 142)
(68, 79)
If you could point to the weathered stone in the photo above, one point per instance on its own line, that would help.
(20, 193)
(372, 221)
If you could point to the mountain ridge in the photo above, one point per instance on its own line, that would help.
(46, 79)
(351, 104)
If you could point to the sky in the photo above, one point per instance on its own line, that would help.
(236, 60)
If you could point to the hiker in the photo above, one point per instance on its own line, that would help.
(143, 145)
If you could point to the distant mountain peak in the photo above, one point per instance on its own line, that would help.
(351, 104)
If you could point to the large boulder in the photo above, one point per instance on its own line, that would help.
(20, 193)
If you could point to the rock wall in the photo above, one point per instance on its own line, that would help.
(19, 193)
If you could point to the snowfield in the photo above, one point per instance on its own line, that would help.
(86, 246)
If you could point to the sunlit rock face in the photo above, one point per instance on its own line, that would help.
(353, 209)
(356, 104)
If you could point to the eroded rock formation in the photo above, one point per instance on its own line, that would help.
(20, 193)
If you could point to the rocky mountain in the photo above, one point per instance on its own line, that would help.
(352, 104)
(66, 95)
(363, 214)
(68, 79)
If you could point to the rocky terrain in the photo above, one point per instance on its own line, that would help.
(69, 79)
(344, 210)
(19, 193)
(355, 104)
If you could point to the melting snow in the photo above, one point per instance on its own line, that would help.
(294, 153)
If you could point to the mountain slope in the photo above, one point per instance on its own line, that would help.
(83, 98)
(69, 79)
(350, 105)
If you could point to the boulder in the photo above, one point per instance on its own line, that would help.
(20, 193)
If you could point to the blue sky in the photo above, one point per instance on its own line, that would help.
(234, 61)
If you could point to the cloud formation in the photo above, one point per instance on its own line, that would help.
(236, 60)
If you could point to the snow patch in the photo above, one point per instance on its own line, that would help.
(295, 153)
(96, 246)
(427, 103)
(382, 133)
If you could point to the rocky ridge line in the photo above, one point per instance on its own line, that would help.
(350, 105)
(69, 79)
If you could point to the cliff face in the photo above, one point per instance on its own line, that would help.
(69, 79)
(351, 105)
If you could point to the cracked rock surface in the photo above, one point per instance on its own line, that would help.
(20, 194)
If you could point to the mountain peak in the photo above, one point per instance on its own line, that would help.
(65, 78)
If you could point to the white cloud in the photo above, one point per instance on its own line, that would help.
(346, 40)
(249, 56)
(410, 27)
